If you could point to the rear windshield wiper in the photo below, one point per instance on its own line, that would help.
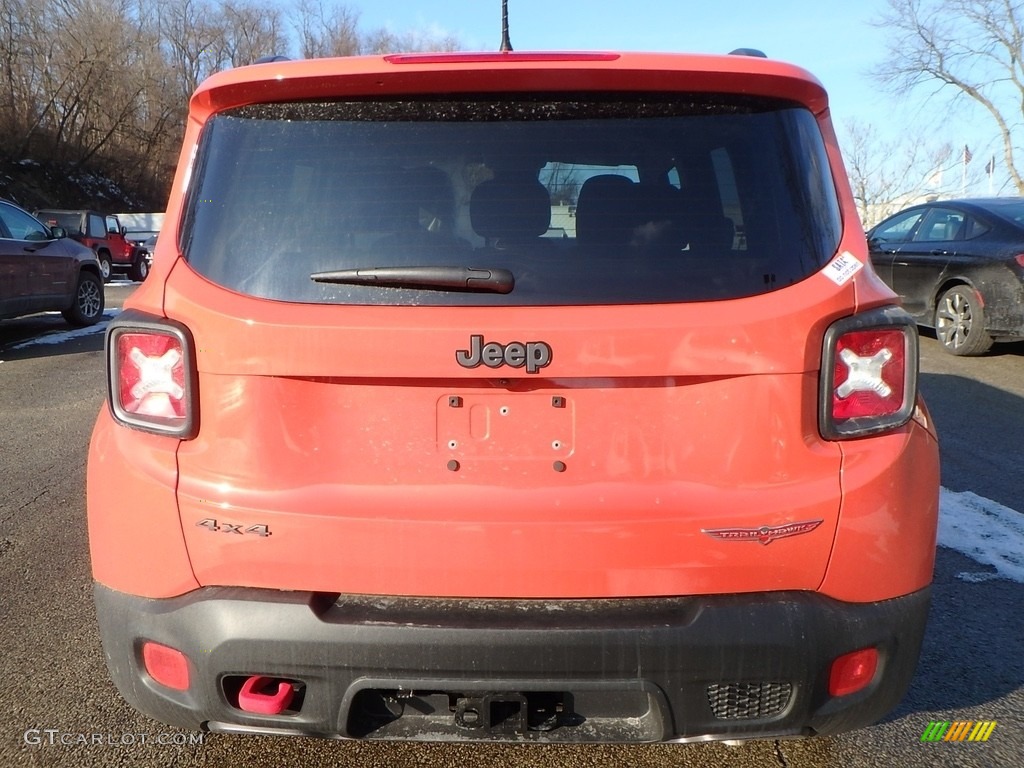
(429, 278)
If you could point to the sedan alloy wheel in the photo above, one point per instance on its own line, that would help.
(960, 322)
(87, 307)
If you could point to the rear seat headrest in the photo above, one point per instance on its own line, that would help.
(510, 209)
(605, 210)
(430, 198)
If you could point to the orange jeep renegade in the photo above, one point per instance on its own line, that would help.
(535, 397)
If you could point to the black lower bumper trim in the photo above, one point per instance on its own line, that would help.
(647, 669)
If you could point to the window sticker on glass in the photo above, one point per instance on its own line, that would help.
(843, 267)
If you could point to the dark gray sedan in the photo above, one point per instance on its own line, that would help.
(958, 266)
(42, 270)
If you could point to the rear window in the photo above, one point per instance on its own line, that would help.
(570, 200)
(97, 227)
(1011, 210)
(70, 221)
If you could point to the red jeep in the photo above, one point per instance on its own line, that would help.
(537, 397)
(105, 235)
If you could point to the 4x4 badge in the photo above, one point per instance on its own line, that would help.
(766, 534)
(534, 355)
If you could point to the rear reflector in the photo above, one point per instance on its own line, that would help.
(166, 665)
(151, 375)
(868, 374)
(852, 672)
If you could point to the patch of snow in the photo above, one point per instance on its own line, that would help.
(63, 336)
(985, 531)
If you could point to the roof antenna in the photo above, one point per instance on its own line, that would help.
(506, 45)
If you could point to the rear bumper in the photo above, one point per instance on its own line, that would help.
(652, 669)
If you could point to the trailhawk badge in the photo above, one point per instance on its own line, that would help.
(533, 355)
(766, 534)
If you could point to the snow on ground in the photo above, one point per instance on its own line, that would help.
(985, 531)
(62, 336)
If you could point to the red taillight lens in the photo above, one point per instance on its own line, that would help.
(870, 370)
(151, 375)
(852, 672)
(869, 374)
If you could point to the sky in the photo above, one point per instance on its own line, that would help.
(834, 40)
(831, 39)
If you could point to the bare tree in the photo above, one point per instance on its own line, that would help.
(192, 38)
(333, 30)
(970, 48)
(105, 84)
(87, 89)
(18, 66)
(326, 31)
(27, 55)
(888, 175)
(250, 30)
(562, 183)
(308, 23)
(383, 40)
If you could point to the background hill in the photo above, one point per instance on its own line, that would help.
(33, 184)
(94, 93)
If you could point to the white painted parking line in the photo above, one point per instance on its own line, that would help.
(985, 531)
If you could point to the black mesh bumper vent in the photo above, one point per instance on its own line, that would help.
(747, 701)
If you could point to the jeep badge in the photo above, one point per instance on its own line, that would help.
(516, 354)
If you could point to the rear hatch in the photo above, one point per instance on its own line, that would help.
(510, 345)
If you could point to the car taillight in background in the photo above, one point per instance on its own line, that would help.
(151, 375)
(869, 368)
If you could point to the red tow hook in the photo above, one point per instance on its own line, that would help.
(259, 697)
